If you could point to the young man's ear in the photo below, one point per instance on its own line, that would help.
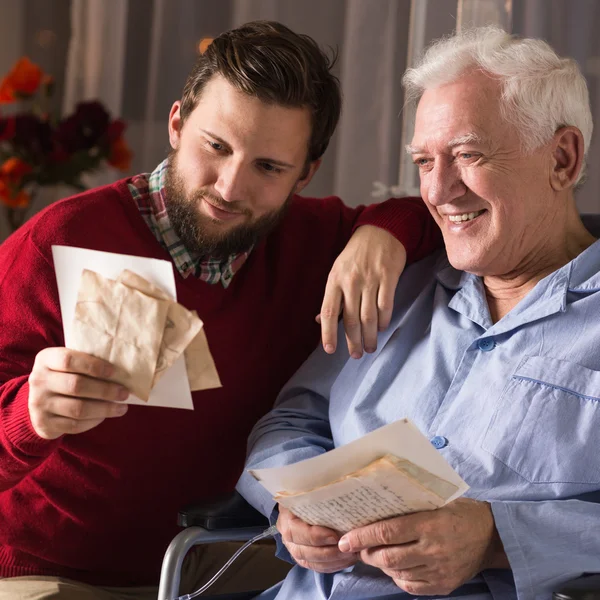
(175, 125)
(307, 175)
(567, 158)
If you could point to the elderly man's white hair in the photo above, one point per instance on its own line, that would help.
(541, 91)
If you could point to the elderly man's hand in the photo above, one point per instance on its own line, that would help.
(362, 281)
(311, 546)
(431, 553)
(72, 392)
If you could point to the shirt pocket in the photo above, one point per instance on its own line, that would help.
(546, 426)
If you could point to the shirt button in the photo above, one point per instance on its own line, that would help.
(486, 345)
(439, 441)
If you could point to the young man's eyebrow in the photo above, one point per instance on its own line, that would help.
(273, 161)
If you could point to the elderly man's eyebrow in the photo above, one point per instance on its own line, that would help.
(468, 138)
(413, 149)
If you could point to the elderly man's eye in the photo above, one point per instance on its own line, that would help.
(469, 156)
(421, 162)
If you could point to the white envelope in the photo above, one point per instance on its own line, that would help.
(173, 389)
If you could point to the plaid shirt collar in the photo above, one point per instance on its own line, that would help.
(148, 191)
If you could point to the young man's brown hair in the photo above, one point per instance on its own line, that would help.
(267, 60)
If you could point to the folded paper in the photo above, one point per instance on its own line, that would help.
(121, 325)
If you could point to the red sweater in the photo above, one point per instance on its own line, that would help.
(101, 506)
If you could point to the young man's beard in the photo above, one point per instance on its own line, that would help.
(194, 228)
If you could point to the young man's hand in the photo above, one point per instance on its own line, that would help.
(362, 283)
(72, 392)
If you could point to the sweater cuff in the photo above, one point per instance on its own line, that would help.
(19, 429)
(406, 219)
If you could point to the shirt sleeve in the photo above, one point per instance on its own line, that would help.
(298, 426)
(30, 323)
(409, 221)
(548, 543)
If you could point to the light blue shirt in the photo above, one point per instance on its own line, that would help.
(513, 406)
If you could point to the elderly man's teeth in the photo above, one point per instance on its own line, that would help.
(464, 217)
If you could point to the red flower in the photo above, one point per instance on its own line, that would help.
(12, 172)
(23, 80)
(120, 155)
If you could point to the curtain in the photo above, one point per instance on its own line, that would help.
(134, 56)
(571, 28)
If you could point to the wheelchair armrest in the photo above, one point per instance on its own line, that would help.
(586, 587)
(223, 512)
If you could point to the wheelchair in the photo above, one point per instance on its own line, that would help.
(231, 518)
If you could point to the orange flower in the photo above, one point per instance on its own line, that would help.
(120, 155)
(16, 199)
(12, 172)
(23, 80)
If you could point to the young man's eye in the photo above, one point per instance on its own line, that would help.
(216, 146)
(269, 168)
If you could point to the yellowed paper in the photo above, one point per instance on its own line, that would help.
(200, 365)
(385, 488)
(121, 325)
(181, 326)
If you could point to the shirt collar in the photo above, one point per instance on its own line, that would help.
(148, 191)
(581, 275)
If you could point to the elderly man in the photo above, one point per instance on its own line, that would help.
(493, 349)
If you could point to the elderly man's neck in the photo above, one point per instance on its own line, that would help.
(505, 291)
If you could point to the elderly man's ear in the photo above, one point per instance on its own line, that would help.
(568, 158)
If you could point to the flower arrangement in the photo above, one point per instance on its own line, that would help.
(39, 149)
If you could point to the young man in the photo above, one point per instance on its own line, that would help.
(90, 488)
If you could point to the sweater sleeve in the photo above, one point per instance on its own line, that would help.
(408, 220)
(30, 318)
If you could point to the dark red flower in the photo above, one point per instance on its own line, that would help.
(8, 128)
(84, 128)
(33, 135)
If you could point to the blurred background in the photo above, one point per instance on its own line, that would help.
(133, 56)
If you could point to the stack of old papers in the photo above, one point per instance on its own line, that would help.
(389, 472)
(152, 280)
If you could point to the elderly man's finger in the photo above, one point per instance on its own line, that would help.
(318, 554)
(399, 530)
(329, 316)
(396, 558)
(295, 530)
(369, 319)
(333, 567)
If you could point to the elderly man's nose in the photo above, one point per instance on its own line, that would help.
(444, 185)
